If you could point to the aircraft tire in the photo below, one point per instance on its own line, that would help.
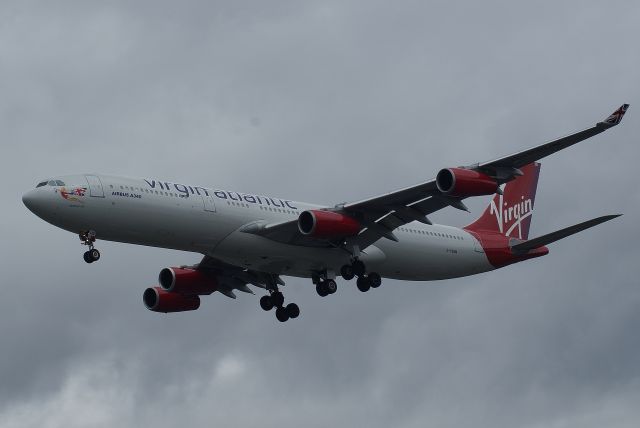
(281, 314)
(87, 257)
(347, 273)
(321, 289)
(293, 311)
(363, 284)
(94, 254)
(331, 286)
(277, 299)
(266, 303)
(374, 280)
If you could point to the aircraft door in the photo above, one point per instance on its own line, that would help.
(208, 203)
(95, 186)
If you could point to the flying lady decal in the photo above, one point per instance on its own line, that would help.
(73, 195)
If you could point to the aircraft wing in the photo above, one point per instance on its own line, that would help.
(382, 214)
(520, 159)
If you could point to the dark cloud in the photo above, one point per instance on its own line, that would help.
(324, 101)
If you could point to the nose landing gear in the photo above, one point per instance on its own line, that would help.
(88, 238)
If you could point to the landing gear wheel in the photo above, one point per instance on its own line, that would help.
(331, 286)
(358, 268)
(281, 314)
(94, 254)
(277, 299)
(292, 310)
(321, 289)
(363, 284)
(374, 280)
(266, 303)
(88, 238)
(347, 272)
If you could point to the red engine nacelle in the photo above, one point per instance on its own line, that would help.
(159, 300)
(465, 182)
(187, 281)
(327, 224)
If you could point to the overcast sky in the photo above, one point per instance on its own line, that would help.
(323, 102)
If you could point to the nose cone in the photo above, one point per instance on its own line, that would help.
(34, 201)
(28, 199)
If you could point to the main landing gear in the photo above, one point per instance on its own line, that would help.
(88, 238)
(365, 280)
(324, 285)
(275, 299)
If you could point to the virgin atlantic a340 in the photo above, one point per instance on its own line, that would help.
(254, 240)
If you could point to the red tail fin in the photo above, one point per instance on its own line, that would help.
(510, 213)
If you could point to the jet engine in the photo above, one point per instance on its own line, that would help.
(327, 224)
(465, 182)
(187, 281)
(159, 300)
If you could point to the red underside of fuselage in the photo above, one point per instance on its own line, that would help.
(498, 251)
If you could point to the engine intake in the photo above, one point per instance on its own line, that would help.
(465, 182)
(187, 281)
(159, 300)
(327, 224)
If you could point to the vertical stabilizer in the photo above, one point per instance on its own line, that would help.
(510, 213)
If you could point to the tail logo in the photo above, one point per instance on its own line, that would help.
(505, 214)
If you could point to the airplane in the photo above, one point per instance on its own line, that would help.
(248, 239)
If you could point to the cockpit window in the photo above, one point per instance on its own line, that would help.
(50, 183)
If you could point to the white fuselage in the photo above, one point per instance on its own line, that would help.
(209, 221)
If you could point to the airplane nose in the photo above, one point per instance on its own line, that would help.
(31, 201)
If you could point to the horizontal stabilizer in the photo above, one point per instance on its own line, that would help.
(532, 244)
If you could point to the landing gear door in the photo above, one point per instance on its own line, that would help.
(208, 203)
(95, 186)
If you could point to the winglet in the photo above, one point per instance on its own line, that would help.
(615, 117)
